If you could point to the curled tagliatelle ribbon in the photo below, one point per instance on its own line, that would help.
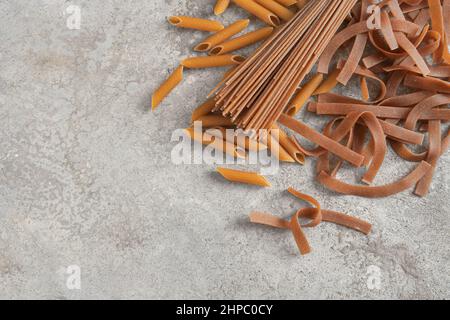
(316, 214)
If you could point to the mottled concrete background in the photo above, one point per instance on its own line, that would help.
(86, 179)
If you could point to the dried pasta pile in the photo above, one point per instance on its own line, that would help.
(397, 49)
(411, 50)
(255, 94)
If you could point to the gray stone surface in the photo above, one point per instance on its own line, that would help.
(86, 178)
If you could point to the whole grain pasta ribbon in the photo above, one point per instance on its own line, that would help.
(316, 214)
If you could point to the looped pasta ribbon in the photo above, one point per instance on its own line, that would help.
(315, 214)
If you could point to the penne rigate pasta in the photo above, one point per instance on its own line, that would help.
(221, 6)
(300, 3)
(329, 83)
(240, 140)
(281, 11)
(304, 94)
(288, 3)
(195, 23)
(241, 42)
(203, 110)
(279, 152)
(288, 145)
(222, 35)
(212, 61)
(175, 78)
(215, 143)
(214, 120)
(259, 11)
(239, 176)
(364, 89)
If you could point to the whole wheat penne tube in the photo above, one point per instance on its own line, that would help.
(175, 78)
(287, 3)
(300, 3)
(364, 89)
(329, 83)
(241, 42)
(203, 110)
(259, 11)
(215, 143)
(222, 35)
(244, 177)
(212, 61)
(438, 24)
(275, 147)
(281, 11)
(195, 23)
(304, 94)
(221, 6)
(289, 146)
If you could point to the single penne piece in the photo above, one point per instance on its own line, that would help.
(214, 120)
(287, 3)
(215, 143)
(244, 177)
(281, 11)
(204, 109)
(259, 11)
(329, 84)
(300, 3)
(241, 42)
(212, 61)
(288, 145)
(221, 6)
(364, 89)
(276, 149)
(242, 140)
(222, 35)
(195, 23)
(304, 94)
(175, 78)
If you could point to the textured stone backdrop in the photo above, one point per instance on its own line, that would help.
(86, 178)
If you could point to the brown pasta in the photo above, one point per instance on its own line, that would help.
(255, 95)
(195, 23)
(317, 216)
(244, 177)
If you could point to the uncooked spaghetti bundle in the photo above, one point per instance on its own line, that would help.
(255, 94)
